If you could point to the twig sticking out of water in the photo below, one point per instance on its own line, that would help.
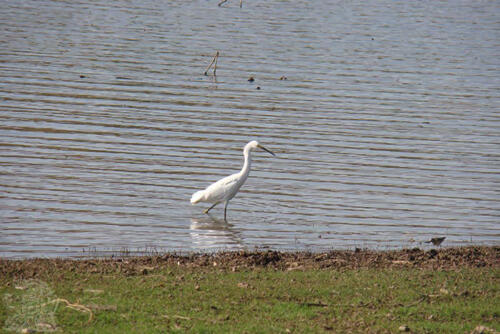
(216, 58)
(213, 62)
(224, 1)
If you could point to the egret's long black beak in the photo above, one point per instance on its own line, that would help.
(265, 149)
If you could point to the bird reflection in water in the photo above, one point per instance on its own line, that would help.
(210, 233)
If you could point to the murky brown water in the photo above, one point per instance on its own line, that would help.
(387, 128)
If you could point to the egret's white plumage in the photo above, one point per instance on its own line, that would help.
(225, 189)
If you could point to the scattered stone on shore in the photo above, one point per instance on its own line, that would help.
(404, 328)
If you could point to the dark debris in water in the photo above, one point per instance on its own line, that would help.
(438, 259)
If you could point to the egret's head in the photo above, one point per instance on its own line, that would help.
(254, 145)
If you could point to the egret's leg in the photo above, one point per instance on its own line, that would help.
(210, 208)
(225, 210)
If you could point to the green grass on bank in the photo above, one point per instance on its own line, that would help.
(258, 300)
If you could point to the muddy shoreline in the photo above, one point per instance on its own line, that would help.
(438, 259)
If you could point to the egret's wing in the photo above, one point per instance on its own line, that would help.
(219, 190)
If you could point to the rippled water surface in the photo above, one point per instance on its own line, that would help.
(383, 115)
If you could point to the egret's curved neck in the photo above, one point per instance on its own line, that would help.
(248, 161)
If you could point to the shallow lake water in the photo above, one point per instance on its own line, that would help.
(383, 116)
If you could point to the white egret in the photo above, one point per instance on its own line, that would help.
(225, 189)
